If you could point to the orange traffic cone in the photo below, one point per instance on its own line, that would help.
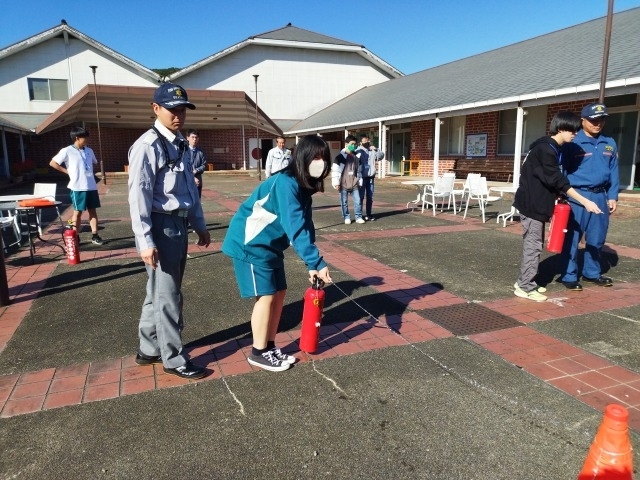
(610, 456)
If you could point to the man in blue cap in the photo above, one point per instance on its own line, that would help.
(590, 163)
(162, 197)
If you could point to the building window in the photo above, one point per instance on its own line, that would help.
(48, 89)
(534, 127)
(452, 136)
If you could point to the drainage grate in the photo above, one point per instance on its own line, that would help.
(468, 318)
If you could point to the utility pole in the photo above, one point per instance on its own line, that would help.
(605, 56)
(258, 134)
(104, 177)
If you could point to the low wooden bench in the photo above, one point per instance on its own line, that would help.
(496, 169)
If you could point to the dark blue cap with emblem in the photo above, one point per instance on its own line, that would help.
(594, 110)
(169, 95)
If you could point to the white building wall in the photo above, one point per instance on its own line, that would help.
(55, 60)
(293, 83)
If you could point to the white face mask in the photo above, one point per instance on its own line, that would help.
(316, 168)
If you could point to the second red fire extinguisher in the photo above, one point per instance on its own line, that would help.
(72, 246)
(558, 227)
(311, 316)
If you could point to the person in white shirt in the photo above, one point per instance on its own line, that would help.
(277, 158)
(77, 162)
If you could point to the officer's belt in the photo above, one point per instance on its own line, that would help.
(593, 189)
(174, 213)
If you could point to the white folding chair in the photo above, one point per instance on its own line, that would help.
(464, 191)
(479, 192)
(441, 190)
(9, 222)
(48, 191)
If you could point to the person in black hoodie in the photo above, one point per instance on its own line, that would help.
(541, 181)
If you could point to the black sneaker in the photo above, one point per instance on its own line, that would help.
(575, 286)
(601, 281)
(188, 371)
(97, 240)
(283, 357)
(268, 361)
(142, 359)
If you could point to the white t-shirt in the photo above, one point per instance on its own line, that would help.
(79, 164)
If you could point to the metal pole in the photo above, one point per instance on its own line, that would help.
(258, 134)
(605, 56)
(104, 177)
(4, 283)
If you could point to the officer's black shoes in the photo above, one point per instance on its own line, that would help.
(147, 360)
(601, 281)
(575, 286)
(188, 371)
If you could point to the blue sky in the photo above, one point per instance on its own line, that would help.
(411, 35)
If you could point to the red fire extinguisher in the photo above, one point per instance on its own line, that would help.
(311, 316)
(558, 227)
(72, 245)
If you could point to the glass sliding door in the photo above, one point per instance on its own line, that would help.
(399, 145)
(623, 128)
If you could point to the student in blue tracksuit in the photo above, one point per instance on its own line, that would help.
(591, 165)
(275, 216)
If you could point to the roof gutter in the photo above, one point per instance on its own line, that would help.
(528, 99)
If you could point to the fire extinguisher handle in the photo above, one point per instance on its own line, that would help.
(318, 283)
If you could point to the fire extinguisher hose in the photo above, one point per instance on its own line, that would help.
(472, 382)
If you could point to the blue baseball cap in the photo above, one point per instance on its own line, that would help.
(594, 110)
(169, 95)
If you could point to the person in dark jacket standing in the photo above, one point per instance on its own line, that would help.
(541, 181)
(198, 160)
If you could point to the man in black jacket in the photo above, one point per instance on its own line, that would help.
(541, 181)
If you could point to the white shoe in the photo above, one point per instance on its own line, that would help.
(539, 289)
(347, 221)
(532, 295)
(359, 220)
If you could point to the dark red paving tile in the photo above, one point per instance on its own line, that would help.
(624, 393)
(133, 373)
(543, 354)
(482, 338)
(67, 383)
(568, 366)
(39, 376)
(592, 361)
(543, 371)
(109, 376)
(231, 357)
(598, 399)
(499, 348)
(566, 350)
(167, 381)
(520, 358)
(418, 336)
(138, 385)
(72, 371)
(394, 340)
(4, 395)
(105, 366)
(101, 392)
(347, 348)
(571, 385)
(22, 406)
(30, 390)
(622, 375)
(335, 339)
(596, 380)
(235, 368)
(371, 344)
(323, 352)
(8, 381)
(63, 399)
